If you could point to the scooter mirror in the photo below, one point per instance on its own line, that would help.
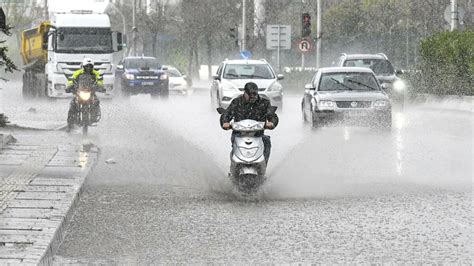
(272, 109)
(220, 110)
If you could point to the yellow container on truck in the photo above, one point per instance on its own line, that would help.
(34, 51)
(34, 43)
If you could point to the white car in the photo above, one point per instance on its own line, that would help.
(177, 81)
(346, 94)
(232, 75)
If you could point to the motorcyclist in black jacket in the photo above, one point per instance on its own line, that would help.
(250, 105)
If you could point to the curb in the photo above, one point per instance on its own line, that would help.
(34, 221)
(446, 102)
(47, 258)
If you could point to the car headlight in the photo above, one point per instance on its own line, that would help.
(130, 76)
(228, 87)
(275, 87)
(326, 104)
(84, 95)
(399, 85)
(381, 103)
(163, 77)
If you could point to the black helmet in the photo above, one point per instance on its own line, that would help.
(251, 88)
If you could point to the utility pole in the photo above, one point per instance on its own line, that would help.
(244, 34)
(46, 11)
(134, 28)
(454, 15)
(319, 27)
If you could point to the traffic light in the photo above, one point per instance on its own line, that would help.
(305, 25)
(232, 33)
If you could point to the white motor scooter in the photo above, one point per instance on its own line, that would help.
(247, 160)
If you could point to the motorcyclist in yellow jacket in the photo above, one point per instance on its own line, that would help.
(86, 69)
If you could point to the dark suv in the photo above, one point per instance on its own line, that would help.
(383, 69)
(142, 75)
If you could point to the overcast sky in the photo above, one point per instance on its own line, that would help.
(68, 5)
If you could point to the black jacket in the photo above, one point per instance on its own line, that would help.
(240, 109)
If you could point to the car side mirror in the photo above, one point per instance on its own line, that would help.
(384, 86)
(399, 72)
(280, 77)
(119, 67)
(164, 68)
(309, 87)
(216, 77)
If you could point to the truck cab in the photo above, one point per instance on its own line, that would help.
(67, 39)
(76, 36)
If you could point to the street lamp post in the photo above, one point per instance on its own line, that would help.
(124, 30)
(244, 34)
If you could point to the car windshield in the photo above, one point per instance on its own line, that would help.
(352, 81)
(379, 66)
(84, 40)
(173, 72)
(142, 63)
(246, 71)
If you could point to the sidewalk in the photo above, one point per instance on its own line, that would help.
(39, 188)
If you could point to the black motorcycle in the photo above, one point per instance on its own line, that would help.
(87, 110)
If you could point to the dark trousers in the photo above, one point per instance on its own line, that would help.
(267, 144)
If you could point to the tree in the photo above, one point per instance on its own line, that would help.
(5, 63)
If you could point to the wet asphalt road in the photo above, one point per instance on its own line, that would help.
(336, 195)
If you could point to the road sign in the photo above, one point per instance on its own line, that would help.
(304, 46)
(278, 36)
(245, 54)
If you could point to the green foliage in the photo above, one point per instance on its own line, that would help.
(5, 62)
(3, 120)
(448, 63)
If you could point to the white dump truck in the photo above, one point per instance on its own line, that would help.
(54, 50)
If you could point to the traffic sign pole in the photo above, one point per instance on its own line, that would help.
(278, 50)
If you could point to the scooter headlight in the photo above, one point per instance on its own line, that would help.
(84, 95)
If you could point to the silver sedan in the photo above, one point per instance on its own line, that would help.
(346, 94)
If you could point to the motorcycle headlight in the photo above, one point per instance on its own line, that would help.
(381, 103)
(328, 104)
(84, 95)
(163, 77)
(275, 87)
(399, 85)
(130, 76)
(258, 126)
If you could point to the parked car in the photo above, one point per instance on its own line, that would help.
(350, 94)
(177, 81)
(232, 75)
(383, 69)
(142, 75)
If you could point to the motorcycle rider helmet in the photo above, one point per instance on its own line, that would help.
(87, 65)
(251, 89)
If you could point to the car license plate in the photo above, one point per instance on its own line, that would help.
(356, 113)
(147, 83)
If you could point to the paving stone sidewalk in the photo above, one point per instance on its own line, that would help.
(39, 188)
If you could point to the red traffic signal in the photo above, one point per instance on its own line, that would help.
(305, 25)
